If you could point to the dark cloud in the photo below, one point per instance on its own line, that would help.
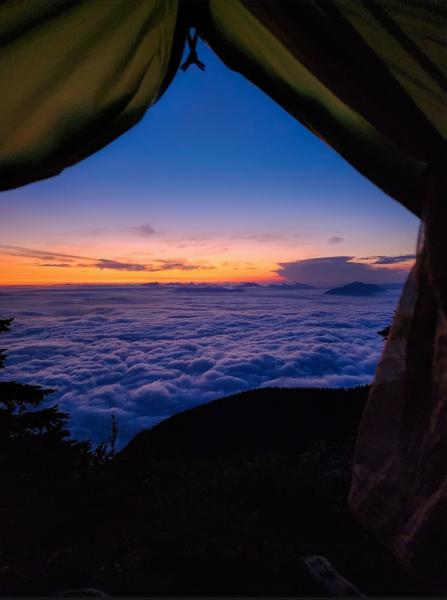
(143, 353)
(40, 254)
(181, 265)
(144, 230)
(390, 260)
(104, 263)
(159, 265)
(335, 239)
(338, 270)
(155, 267)
(67, 260)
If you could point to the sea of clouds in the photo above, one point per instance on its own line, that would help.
(144, 353)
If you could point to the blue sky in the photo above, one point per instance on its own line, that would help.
(222, 175)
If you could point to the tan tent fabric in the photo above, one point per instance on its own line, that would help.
(366, 76)
(400, 473)
(75, 75)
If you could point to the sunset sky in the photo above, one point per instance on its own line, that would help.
(216, 183)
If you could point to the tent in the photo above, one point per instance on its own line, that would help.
(366, 76)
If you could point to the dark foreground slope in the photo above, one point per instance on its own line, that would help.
(228, 498)
(258, 421)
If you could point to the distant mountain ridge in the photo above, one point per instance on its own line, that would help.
(291, 286)
(206, 289)
(228, 287)
(357, 288)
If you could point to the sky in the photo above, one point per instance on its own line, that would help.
(215, 184)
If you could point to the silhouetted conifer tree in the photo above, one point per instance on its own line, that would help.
(113, 436)
(34, 440)
(385, 332)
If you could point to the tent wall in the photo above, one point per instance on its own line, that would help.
(400, 472)
(77, 74)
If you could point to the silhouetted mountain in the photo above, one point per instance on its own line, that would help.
(205, 289)
(291, 286)
(356, 288)
(228, 497)
(260, 420)
(249, 284)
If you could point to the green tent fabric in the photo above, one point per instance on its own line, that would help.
(318, 66)
(77, 74)
(367, 77)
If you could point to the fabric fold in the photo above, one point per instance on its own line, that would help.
(76, 75)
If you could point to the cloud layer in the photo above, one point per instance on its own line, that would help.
(146, 352)
(339, 270)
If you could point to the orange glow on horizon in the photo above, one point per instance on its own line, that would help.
(244, 261)
(21, 271)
